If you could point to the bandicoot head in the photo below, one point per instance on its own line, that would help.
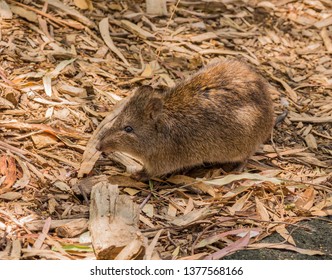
(135, 130)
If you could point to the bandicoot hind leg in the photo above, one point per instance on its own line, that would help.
(240, 166)
(141, 175)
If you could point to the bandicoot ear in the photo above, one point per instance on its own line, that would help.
(162, 126)
(154, 107)
(144, 89)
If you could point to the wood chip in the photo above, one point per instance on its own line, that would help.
(204, 37)
(311, 141)
(28, 15)
(113, 222)
(72, 228)
(11, 196)
(327, 40)
(5, 12)
(311, 119)
(156, 7)
(324, 22)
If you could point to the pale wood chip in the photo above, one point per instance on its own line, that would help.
(306, 119)
(324, 22)
(311, 141)
(204, 37)
(28, 15)
(84, 4)
(113, 222)
(326, 39)
(10, 196)
(72, 228)
(156, 7)
(5, 12)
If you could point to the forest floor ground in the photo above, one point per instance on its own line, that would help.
(61, 71)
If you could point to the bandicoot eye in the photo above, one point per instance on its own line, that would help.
(128, 129)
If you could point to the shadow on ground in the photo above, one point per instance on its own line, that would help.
(314, 235)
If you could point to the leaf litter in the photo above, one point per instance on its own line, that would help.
(64, 65)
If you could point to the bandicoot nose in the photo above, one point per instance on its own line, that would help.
(99, 146)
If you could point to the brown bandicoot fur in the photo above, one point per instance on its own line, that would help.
(220, 114)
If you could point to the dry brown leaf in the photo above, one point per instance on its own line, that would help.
(43, 140)
(185, 180)
(281, 229)
(199, 256)
(148, 209)
(238, 205)
(171, 210)
(239, 244)
(191, 217)
(235, 177)
(84, 4)
(261, 210)
(322, 213)
(150, 248)
(26, 176)
(306, 199)
(146, 221)
(286, 153)
(214, 238)
(189, 206)
(285, 247)
(8, 169)
(104, 32)
(43, 254)
(63, 131)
